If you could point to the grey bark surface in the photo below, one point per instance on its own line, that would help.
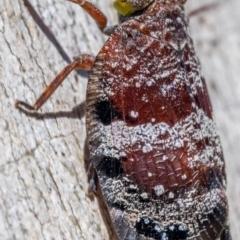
(43, 180)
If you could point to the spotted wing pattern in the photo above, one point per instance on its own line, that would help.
(152, 137)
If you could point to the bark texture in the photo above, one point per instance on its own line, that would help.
(43, 190)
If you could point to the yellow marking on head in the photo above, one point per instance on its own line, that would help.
(123, 8)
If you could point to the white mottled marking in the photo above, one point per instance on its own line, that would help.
(147, 148)
(157, 228)
(159, 190)
(150, 82)
(171, 195)
(146, 221)
(184, 177)
(165, 74)
(178, 144)
(118, 138)
(134, 114)
(144, 195)
(164, 158)
(138, 85)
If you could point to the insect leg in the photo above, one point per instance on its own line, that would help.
(94, 12)
(203, 9)
(83, 62)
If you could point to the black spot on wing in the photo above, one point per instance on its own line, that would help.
(149, 228)
(176, 232)
(119, 205)
(111, 167)
(106, 112)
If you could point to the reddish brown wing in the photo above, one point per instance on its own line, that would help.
(152, 138)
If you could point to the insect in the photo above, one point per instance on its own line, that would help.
(151, 134)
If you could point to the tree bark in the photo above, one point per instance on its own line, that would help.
(44, 187)
(216, 35)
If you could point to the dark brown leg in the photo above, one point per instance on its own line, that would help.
(83, 62)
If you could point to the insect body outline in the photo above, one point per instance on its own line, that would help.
(151, 134)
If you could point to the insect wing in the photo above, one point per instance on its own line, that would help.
(152, 138)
